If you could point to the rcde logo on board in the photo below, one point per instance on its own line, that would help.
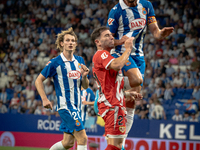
(48, 125)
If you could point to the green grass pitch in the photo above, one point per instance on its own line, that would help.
(20, 148)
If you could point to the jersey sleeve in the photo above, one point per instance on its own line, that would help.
(49, 70)
(82, 60)
(104, 59)
(92, 96)
(151, 14)
(113, 18)
(150, 10)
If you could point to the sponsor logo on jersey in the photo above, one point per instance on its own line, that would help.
(74, 74)
(110, 21)
(78, 123)
(144, 11)
(104, 55)
(122, 129)
(83, 98)
(48, 63)
(137, 24)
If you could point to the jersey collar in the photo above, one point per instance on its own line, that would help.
(65, 59)
(123, 5)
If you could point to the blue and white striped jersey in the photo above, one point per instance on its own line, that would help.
(86, 95)
(132, 22)
(67, 80)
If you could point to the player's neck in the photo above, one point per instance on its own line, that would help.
(103, 48)
(68, 55)
(131, 4)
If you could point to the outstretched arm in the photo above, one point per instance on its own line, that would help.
(88, 103)
(160, 33)
(132, 95)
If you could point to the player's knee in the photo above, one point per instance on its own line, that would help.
(68, 144)
(136, 82)
(82, 140)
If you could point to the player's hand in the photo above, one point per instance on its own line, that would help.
(133, 96)
(123, 39)
(84, 70)
(47, 104)
(166, 31)
(129, 43)
(84, 102)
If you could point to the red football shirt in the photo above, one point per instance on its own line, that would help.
(110, 82)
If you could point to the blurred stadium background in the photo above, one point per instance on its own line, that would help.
(28, 30)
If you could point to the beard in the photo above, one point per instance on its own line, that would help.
(130, 1)
(109, 46)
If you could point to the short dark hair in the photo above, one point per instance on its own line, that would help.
(97, 32)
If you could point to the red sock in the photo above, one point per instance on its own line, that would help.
(112, 147)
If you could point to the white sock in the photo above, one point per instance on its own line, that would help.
(123, 143)
(81, 147)
(129, 118)
(57, 146)
(129, 122)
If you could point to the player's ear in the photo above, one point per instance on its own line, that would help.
(97, 42)
(61, 43)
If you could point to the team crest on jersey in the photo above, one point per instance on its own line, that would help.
(79, 66)
(110, 21)
(48, 63)
(137, 24)
(144, 11)
(128, 63)
(78, 123)
(122, 129)
(73, 74)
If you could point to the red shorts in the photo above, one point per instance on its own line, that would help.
(115, 123)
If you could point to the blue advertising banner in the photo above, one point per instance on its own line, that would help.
(156, 129)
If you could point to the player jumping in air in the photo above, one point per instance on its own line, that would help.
(130, 18)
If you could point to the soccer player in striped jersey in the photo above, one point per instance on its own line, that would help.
(108, 74)
(88, 98)
(69, 74)
(130, 18)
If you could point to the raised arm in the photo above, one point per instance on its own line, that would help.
(84, 72)
(119, 62)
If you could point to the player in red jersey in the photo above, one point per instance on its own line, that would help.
(108, 74)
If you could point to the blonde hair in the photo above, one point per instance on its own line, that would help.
(60, 37)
